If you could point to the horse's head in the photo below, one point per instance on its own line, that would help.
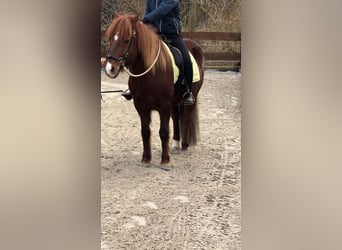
(121, 35)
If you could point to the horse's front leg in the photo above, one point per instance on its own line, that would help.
(176, 131)
(165, 114)
(145, 118)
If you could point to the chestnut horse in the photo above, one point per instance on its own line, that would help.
(138, 49)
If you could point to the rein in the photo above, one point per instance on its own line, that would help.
(146, 71)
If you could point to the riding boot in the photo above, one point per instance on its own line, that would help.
(188, 98)
(127, 94)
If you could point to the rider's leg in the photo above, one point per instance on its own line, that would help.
(178, 42)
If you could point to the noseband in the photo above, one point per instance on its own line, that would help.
(121, 60)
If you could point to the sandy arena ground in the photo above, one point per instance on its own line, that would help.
(195, 205)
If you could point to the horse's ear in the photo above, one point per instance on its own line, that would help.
(135, 19)
(117, 15)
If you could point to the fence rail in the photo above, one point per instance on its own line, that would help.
(233, 58)
(228, 36)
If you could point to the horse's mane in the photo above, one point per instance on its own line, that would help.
(147, 39)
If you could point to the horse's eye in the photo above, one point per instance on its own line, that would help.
(126, 41)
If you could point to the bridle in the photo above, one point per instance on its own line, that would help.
(121, 60)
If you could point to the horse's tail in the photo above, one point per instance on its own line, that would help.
(198, 54)
(194, 132)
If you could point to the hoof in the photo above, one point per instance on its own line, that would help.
(165, 166)
(175, 150)
(185, 146)
(146, 159)
(145, 163)
(175, 145)
(165, 161)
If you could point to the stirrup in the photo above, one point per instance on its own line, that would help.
(127, 94)
(190, 99)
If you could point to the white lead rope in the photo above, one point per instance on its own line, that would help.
(144, 73)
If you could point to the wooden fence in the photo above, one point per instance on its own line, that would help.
(217, 58)
(230, 60)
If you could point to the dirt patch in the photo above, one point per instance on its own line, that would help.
(195, 205)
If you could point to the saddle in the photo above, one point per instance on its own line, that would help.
(177, 61)
(177, 56)
(178, 65)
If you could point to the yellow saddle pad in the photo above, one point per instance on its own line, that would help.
(195, 69)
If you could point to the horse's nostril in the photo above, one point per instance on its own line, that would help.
(112, 70)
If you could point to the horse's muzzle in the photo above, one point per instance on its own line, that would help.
(111, 71)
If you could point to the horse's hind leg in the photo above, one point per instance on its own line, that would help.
(145, 118)
(176, 131)
(164, 134)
